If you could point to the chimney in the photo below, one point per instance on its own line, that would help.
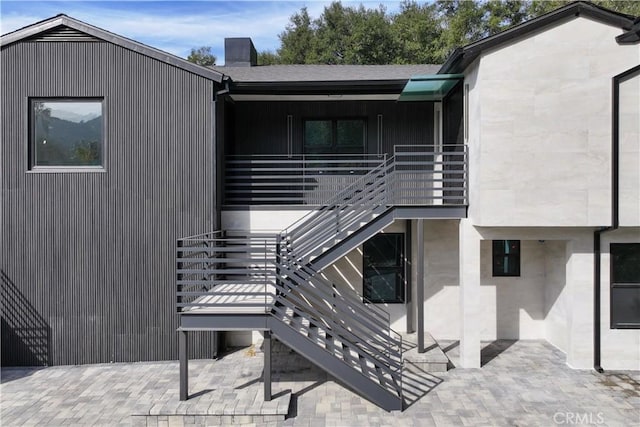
(239, 52)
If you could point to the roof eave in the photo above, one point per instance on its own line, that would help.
(320, 87)
(462, 57)
(124, 42)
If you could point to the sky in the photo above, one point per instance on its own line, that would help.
(176, 26)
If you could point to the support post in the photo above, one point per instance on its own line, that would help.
(420, 285)
(470, 308)
(184, 364)
(267, 366)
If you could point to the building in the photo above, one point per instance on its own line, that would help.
(494, 197)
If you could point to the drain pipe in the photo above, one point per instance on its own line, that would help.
(596, 297)
(615, 197)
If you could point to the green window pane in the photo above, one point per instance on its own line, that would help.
(67, 133)
(382, 285)
(334, 136)
(350, 135)
(318, 136)
(625, 262)
(625, 307)
(384, 250)
(383, 268)
(506, 257)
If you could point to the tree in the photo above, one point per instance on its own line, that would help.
(266, 57)
(630, 7)
(297, 39)
(202, 56)
(418, 33)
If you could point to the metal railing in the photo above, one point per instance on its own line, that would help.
(291, 180)
(420, 175)
(276, 269)
(211, 265)
(226, 271)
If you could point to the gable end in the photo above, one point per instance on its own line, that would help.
(63, 33)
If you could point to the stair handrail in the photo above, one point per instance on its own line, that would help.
(354, 297)
(375, 181)
(349, 189)
(392, 356)
(345, 299)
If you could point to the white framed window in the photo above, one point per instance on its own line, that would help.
(66, 134)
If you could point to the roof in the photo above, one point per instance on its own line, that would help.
(462, 57)
(324, 73)
(63, 20)
(632, 36)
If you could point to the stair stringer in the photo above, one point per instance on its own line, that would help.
(334, 366)
(352, 241)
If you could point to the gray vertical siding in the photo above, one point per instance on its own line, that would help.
(88, 259)
(403, 123)
(453, 131)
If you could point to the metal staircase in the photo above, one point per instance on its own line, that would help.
(277, 277)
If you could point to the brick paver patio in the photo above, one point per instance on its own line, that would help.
(523, 383)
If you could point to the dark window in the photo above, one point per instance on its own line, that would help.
(337, 136)
(66, 133)
(625, 285)
(506, 257)
(383, 259)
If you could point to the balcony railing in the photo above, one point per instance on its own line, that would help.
(418, 175)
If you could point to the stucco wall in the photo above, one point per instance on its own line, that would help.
(620, 347)
(260, 220)
(540, 138)
(441, 282)
(629, 134)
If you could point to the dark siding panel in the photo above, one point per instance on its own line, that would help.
(453, 115)
(260, 127)
(88, 259)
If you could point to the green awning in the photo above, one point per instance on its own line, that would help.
(429, 87)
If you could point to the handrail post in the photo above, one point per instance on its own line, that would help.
(266, 277)
(278, 261)
(179, 245)
(465, 150)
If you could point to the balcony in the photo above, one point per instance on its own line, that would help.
(415, 175)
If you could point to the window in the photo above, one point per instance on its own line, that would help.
(383, 264)
(506, 258)
(625, 285)
(342, 136)
(66, 133)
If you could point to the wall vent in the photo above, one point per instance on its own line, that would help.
(63, 34)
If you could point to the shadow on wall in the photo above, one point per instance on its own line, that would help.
(526, 304)
(26, 336)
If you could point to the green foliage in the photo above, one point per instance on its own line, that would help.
(630, 7)
(297, 39)
(417, 32)
(202, 56)
(87, 153)
(420, 32)
(267, 57)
